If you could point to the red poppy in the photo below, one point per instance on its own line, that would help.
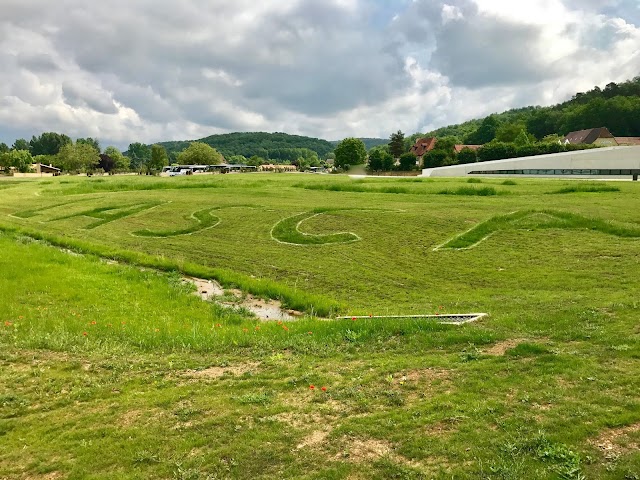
(353, 318)
(84, 333)
(312, 387)
(285, 328)
(324, 389)
(93, 323)
(7, 324)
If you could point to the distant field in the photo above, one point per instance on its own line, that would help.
(164, 385)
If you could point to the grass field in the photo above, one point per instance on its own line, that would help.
(111, 368)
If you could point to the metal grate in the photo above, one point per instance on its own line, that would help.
(444, 318)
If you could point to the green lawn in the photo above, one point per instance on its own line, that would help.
(115, 370)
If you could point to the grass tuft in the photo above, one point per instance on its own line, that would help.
(470, 191)
(587, 188)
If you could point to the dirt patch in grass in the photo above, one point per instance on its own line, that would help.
(425, 375)
(614, 442)
(213, 373)
(315, 438)
(361, 450)
(499, 349)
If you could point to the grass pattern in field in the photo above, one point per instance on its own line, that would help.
(204, 219)
(109, 214)
(587, 188)
(540, 219)
(288, 231)
(37, 211)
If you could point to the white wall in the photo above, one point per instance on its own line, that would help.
(622, 158)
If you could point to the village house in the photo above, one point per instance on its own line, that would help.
(601, 137)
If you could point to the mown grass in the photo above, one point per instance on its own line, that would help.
(540, 219)
(534, 390)
(287, 231)
(203, 219)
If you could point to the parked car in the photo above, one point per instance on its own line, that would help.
(180, 171)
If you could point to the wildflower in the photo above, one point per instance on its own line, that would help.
(312, 387)
(440, 307)
(324, 389)
(109, 325)
(219, 325)
(20, 317)
(84, 334)
(7, 324)
(353, 319)
(157, 330)
(245, 330)
(257, 328)
(285, 328)
(122, 323)
(370, 315)
(93, 323)
(310, 333)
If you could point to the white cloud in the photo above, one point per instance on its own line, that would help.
(154, 70)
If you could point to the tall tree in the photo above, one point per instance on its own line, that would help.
(158, 159)
(49, 143)
(21, 144)
(485, 132)
(199, 153)
(90, 141)
(79, 157)
(350, 151)
(376, 156)
(396, 144)
(140, 154)
(21, 160)
(121, 163)
(4, 148)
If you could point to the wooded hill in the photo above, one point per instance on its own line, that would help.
(279, 147)
(616, 107)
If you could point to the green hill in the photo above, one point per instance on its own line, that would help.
(368, 142)
(616, 107)
(278, 147)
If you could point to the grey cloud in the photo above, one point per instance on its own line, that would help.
(76, 95)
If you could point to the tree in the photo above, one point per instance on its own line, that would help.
(350, 151)
(21, 160)
(4, 148)
(121, 163)
(522, 139)
(140, 154)
(79, 157)
(158, 160)
(467, 155)
(199, 153)
(435, 158)
(21, 144)
(407, 162)
(49, 143)
(396, 144)
(90, 141)
(485, 132)
(375, 159)
(106, 163)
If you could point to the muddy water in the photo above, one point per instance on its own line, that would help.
(271, 310)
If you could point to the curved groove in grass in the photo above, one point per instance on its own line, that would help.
(541, 219)
(204, 220)
(32, 212)
(287, 231)
(109, 214)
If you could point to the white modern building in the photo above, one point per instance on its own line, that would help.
(608, 162)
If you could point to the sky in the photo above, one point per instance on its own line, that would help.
(125, 71)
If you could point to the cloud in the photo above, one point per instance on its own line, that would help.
(156, 70)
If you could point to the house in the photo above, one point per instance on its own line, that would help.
(39, 170)
(458, 148)
(423, 145)
(628, 141)
(592, 136)
(277, 168)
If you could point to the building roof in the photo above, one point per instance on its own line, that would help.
(588, 136)
(458, 148)
(628, 141)
(423, 145)
(46, 167)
